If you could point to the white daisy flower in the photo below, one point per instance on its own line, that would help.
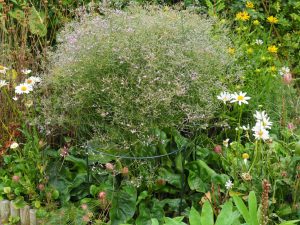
(224, 96)
(228, 184)
(284, 70)
(260, 115)
(225, 142)
(3, 69)
(260, 133)
(3, 83)
(23, 89)
(25, 71)
(240, 98)
(259, 42)
(14, 145)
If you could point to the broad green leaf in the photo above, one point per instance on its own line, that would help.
(252, 203)
(226, 216)
(123, 205)
(194, 217)
(207, 216)
(242, 208)
(174, 221)
(154, 221)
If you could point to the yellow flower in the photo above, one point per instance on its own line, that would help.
(243, 16)
(245, 156)
(231, 51)
(256, 22)
(272, 49)
(249, 51)
(272, 69)
(249, 5)
(272, 19)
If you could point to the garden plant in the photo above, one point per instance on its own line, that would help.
(149, 112)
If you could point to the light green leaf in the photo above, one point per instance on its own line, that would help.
(252, 203)
(207, 216)
(194, 217)
(242, 208)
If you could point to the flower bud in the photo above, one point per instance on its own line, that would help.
(102, 195)
(16, 178)
(287, 78)
(218, 149)
(125, 171)
(41, 187)
(109, 166)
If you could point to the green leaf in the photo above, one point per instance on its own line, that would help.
(242, 208)
(174, 221)
(194, 217)
(123, 205)
(154, 221)
(252, 203)
(207, 216)
(226, 216)
(290, 222)
(36, 23)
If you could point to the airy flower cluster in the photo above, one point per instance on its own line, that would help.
(236, 97)
(262, 126)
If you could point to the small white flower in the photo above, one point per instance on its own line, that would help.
(259, 42)
(25, 71)
(225, 142)
(284, 70)
(15, 98)
(3, 83)
(23, 89)
(263, 120)
(35, 79)
(14, 145)
(240, 98)
(246, 127)
(228, 184)
(3, 69)
(260, 133)
(224, 96)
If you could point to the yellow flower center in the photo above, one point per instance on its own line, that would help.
(29, 81)
(240, 98)
(24, 88)
(1, 67)
(260, 133)
(245, 156)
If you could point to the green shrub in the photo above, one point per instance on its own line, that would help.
(120, 76)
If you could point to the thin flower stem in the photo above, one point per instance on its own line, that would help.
(255, 157)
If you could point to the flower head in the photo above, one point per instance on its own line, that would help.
(3, 83)
(256, 22)
(245, 156)
(249, 5)
(259, 42)
(228, 184)
(23, 89)
(262, 120)
(25, 71)
(32, 80)
(284, 70)
(243, 16)
(272, 19)
(225, 142)
(272, 49)
(14, 145)
(231, 51)
(240, 98)
(260, 133)
(224, 96)
(3, 69)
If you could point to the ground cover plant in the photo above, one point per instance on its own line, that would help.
(152, 114)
